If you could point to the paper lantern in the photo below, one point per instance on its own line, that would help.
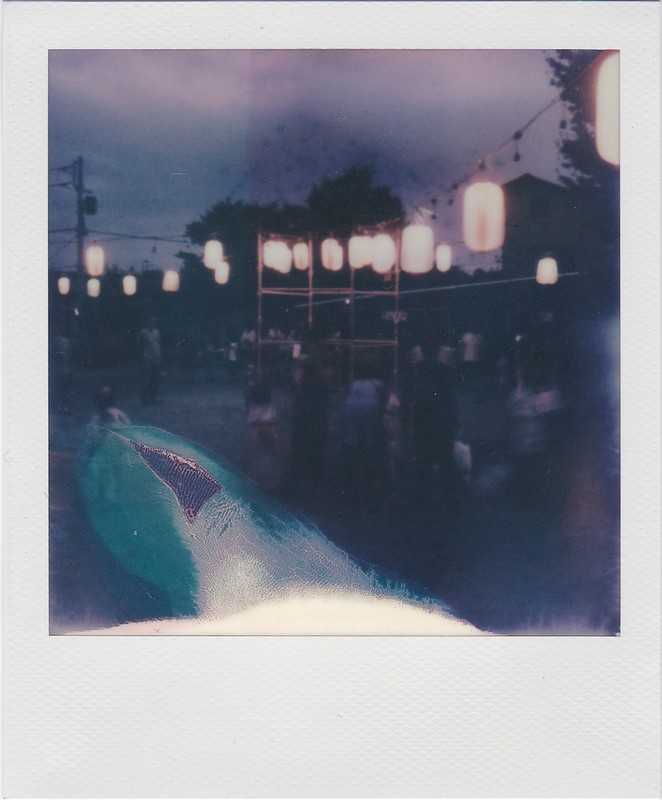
(213, 255)
(484, 219)
(94, 261)
(547, 272)
(129, 285)
(332, 255)
(93, 287)
(300, 256)
(277, 255)
(444, 257)
(359, 252)
(417, 254)
(607, 111)
(222, 273)
(63, 285)
(170, 281)
(383, 253)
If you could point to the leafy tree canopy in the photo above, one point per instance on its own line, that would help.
(575, 72)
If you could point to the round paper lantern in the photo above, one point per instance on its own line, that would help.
(417, 254)
(213, 254)
(93, 287)
(332, 255)
(359, 252)
(383, 253)
(444, 257)
(484, 219)
(170, 281)
(277, 255)
(300, 256)
(129, 285)
(607, 111)
(63, 285)
(547, 272)
(94, 261)
(222, 273)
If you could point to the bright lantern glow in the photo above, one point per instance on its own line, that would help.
(93, 287)
(63, 285)
(300, 256)
(484, 220)
(547, 272)
(383, 253)
(444, 257)
(129, 285)
(94, 261)
(607, 112)
(222, 273)
(278, 256)
(213, 255)
(359, 253)
(417, 254)
(332, 255)
(171, 281)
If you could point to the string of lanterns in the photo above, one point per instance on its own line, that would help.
(483, 220)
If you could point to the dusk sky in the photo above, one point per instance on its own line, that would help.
(166, 134)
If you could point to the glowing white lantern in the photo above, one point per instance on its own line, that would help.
(417, 255)
(277, 255)
(547, 272)
(129, 285)
(484, 219)
(359, 252)
(444, 257)
(222, 273)
(607, 112)
(300, 256)
(94, 261)
(332, 255)
(213, 255)
(383, 253)
(93, 287)
(63, 285)
(170, 281)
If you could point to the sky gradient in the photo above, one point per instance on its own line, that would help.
(166, 134)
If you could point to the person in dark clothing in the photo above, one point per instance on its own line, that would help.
(433, 416)
(310, 428)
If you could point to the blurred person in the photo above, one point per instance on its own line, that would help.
(434, 421)
(364, 458)
(263, 453)
(62, 371)
(310, 426)
(150, 340)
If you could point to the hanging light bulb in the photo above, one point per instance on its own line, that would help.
(222, 273)
(547, 272)
(484, 217)
(300, 256)
(94, 261)
(170, 281)
(607, 111)
(359, 252)
(213, 254)
(63, 285)
(129, 285)
(332, 255)
(93, 287)
(383, 253)
(444, 257)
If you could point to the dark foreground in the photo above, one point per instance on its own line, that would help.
(526, 552)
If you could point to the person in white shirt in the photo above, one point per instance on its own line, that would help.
(150, 339)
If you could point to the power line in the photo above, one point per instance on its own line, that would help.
(118, 236)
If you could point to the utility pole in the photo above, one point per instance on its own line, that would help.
(81, 230)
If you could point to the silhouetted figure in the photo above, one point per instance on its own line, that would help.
(310, 428)
(150, 340)
(364, 461)
(62, 375)
(434, 426)
(264, 448)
